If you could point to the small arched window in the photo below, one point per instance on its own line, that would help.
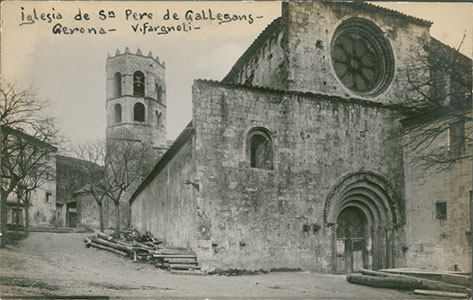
(139, 84)
(117, 113)
(260, 149)
(139, 112)
(157, 118)
(117, 85)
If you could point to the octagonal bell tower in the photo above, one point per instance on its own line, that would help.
(136, 100)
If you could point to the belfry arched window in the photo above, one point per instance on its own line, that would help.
(260, 149)
(117, 85)
(139, 84)
(159, 93)
(139, 112)
(158, 118)
(117, 113)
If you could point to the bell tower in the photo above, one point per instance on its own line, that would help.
(136, 100)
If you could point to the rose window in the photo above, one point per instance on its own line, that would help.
(362, 58)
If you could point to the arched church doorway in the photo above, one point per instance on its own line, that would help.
(364, 215)
(351, 233)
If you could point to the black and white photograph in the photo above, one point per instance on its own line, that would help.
(236, 150)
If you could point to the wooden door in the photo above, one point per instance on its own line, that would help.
(350, 241)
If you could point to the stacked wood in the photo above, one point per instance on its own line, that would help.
(175, 259)
(424, 283)
(441, 294)
(397, 281)
(104, 236)
(447, 277)
(147, 248)
(183, 267)
(113, 245)
(384, 282)
(93, 243)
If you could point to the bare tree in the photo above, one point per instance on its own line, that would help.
(438, 106)
(92, 158)
(33, 174)
(27, 141)
(124, 163)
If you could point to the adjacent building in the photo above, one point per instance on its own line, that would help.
(32, 162)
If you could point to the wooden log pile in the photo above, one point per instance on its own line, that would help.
(453, 278)
(404, 282)
(149, 249)
(176, 259)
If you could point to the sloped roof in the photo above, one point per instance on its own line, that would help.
(387, 12)
(274, 26)
(440, 49)
(72, 162)
(257, 43)
(181, 140)
(28, 137)
(332, 98)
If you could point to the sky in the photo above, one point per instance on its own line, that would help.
(69, 70)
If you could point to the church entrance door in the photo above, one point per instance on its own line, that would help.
(350, 241)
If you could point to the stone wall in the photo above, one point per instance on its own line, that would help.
(264, 63)
(69, 177)
(435, 242)
(88, 212)
(42, 208)
(255, 218)
(310, 30)
(295, 51)
(41, 211)
(167, 207)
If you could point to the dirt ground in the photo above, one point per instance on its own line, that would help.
(59, 264)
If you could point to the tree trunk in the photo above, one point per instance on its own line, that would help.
(26, 202)
(3, 218)
(385, 282)
(441, 294)
(27, 217)
(113, 245)
(17, 218)
(102, 226)
(117, 227)
(423, 283)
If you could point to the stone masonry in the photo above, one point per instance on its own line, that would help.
(291, 163)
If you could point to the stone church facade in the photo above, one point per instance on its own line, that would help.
(296, 158)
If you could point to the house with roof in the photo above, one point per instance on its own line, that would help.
(30, 162)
